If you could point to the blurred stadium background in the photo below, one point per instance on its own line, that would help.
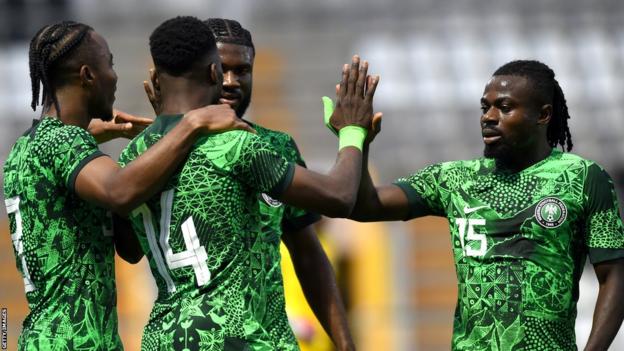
(434, 57)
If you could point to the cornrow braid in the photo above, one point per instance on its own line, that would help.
(230, 31)
(47, 47)
(545, 84)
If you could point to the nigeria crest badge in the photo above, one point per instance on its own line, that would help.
(551, 212)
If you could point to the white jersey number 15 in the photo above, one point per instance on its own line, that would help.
(467, 249)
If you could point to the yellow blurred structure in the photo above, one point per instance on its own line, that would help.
(307, 329)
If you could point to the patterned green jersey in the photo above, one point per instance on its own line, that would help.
(520, 242)
(276, 217)
(205, 248)
(62, 247)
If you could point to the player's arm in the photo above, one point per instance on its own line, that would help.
(383, 203)
(334, 194)
(604, 237)
(102, 182)
(126, 243)
(609, 310)
(318, 282)
(123, 125)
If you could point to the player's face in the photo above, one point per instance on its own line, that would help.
(237, 64)
(509, 120)
(103, 94)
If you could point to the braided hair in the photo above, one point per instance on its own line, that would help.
(547, 87)
(230, 31)
(49, 48)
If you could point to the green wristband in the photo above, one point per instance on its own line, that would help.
(328, 109)
(352, 136)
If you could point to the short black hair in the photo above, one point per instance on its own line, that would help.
(547, 88)
(49, 48)
(230, 31)
(179, 42)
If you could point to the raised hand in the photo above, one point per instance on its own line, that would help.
(217, 118)
(354, 105)
(123, 125)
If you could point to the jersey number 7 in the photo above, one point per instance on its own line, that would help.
(12, 206)
(195, 254)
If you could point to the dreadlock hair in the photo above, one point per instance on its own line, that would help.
(547, 87)
(49, 49)
(179, 42)
(230, 31)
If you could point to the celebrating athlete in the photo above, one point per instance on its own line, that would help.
(522, 220)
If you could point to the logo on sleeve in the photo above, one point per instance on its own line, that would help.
(551, 212)
(271, 201)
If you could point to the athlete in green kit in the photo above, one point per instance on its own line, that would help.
(203, 235)
(522, 220)
(280, 222)
(57, 186)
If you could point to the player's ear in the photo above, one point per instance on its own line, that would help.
(215, 74)
(154, 77)
(86, 76)
(545, 114)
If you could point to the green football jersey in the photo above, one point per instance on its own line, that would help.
(276, 217)
(520, 242)
(63, 245)
(203, 239)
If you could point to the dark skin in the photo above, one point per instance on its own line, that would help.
(514, 126)
(333, 194)
(608, 312)
(123, 125)
(89, 91)
(312, 267)
(102, 181)
(308, 189)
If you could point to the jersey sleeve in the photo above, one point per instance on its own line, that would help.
(604, 234)
(295, 218)
(422, 191)
(71, 148)
(261, 167)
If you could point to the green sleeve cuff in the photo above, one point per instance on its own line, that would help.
(414, 201)
(598, 255)
(283, 184)
(71, 181)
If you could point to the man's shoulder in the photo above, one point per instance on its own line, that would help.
(566, 162)
(463, 166)
(265, 132)
(281, 141)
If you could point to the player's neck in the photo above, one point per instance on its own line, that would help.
(73, 109)
(179, 97)
(523, 160)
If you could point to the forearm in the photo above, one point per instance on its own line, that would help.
(331, 194)
(344, 178)
(609, 310)
(318, 283)
(367, 198)
(147, 174)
